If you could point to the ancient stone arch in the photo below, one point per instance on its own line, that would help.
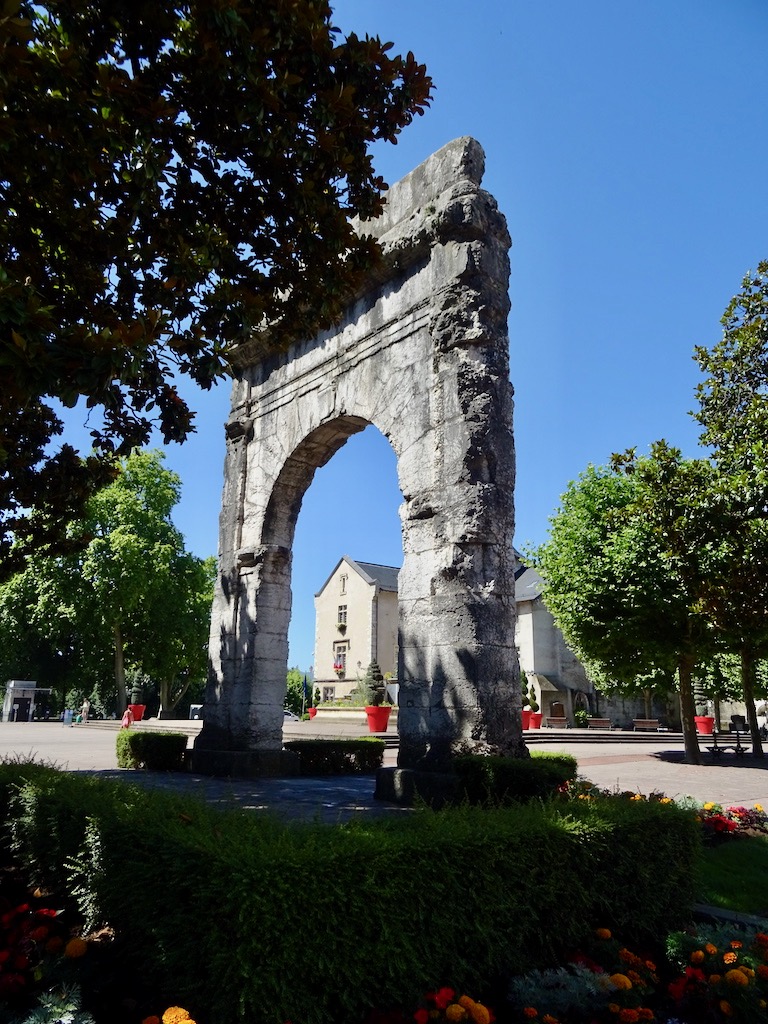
(422, 355)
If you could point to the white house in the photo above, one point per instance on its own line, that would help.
(356, 623)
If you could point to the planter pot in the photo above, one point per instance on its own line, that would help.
(312, 712)
(535, 722)
(526, 718)
(704, 724)
(378, 718)
(138, 711)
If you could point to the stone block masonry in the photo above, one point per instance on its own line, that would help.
(422, 354)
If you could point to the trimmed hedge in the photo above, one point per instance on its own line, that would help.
(338, 757)
(496, 781)
(155, 751)
(403, 904)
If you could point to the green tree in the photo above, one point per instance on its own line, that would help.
(294, 695)
(173, 177)
(616, 587)
(133, 597)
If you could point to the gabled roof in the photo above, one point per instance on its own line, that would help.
(385, 576)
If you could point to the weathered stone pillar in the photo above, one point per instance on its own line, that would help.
(423, 355)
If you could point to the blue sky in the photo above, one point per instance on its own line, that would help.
(627, 146)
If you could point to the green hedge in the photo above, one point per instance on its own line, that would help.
(338, 757)
(155, 751)
(213, 906)
(503, 780)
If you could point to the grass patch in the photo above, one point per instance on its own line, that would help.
(732, 875)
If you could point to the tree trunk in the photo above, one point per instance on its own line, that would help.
(716, 713)
(647, 702)
(169, 700)
(688, 710)
(748, 691)
(122, 696)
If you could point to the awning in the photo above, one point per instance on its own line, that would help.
(545, 683)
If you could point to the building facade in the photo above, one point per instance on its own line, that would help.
(356, 618)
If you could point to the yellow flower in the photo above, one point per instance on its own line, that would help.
(175, 1015)
(638, 796)
(736, 977)
(759, 807)
(455, 1012)
(709, 806)
(75, 948)
(666, 800)
(621, 982)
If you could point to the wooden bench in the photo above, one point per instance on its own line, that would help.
(719, 748)
(557, 723)
(648, 724)
(599, 723)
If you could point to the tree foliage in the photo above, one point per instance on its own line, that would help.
(173, 176)
(133, 596)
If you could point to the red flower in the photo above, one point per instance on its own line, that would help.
(421, 1016)
(443, 997)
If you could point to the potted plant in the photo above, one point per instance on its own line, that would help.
(705, 724)
(526, 711)
(535, 720)
(378, 708)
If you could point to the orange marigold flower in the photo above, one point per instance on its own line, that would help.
(645, 1014)
(747, 970)
(603, 933)
(55, 944)
(709, 948)
(697, 956)
(629, 1016)
(735, 944)
(454, 1012)
(549, 1019)
(466, 1002)
(530, 1012)
(75, 948)
(621, 982)
(714, 979)
(175, 1015)
(650, 965)
(614, 1007)
(480, 1014)
(726, 1008)
(730, 958)
(736, 977)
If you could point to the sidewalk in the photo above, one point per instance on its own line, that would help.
(651, 762)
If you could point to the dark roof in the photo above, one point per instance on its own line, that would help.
(528, 585)
(384, 575)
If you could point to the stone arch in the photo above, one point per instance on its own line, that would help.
(422, 354)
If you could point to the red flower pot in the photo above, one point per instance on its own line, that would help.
(535, 722)
(526, 718)
(704, 724)
(378, 718)
(312, 712)
(138, 711)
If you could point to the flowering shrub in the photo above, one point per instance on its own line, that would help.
(445, 1005)
(722, 821)
(604, 984)
(722, 977)
(26, 936)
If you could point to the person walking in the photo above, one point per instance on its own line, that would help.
(127, 720)
(85, 711)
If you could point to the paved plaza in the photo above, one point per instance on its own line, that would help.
(623, 761)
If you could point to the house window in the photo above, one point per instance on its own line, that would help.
(342, 616)
(329, 692)
(340, 659)
(343, 582)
